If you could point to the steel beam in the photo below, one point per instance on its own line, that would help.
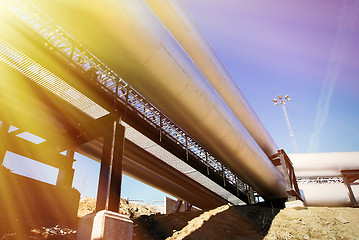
(349, 177)
(145, 167)
(109, 189)
(34, 151)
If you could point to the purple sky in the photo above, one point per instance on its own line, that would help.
(306, 49)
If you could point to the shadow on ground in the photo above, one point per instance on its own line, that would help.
(234, 222)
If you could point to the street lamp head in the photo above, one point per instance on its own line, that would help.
(281, 100)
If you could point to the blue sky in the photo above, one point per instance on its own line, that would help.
(307, 49)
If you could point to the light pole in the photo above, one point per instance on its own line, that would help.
(282, 101)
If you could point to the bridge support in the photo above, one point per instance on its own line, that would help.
(109, 189)
(107, 223)
(251, 198)
(4, 128)
(28, 200)
(66, 176)
(282, 162)
(349, 177)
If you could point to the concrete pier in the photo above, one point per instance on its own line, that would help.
(105, 225)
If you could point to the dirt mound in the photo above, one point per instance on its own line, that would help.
(225, 222)
(252, 222)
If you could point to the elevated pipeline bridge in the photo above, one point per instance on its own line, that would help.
(91, 112)
(63, 93)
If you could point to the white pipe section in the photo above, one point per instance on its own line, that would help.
(129, 37)
(180, 23)
(323, 164)
(327, 195)
(319, 165)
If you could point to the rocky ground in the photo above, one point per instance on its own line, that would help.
(225, 222)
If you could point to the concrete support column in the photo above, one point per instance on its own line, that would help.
(109, 189)
(251, 198)
(66, 176)
(178, 206)
(187, 206)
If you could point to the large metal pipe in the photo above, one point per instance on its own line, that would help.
(182, 26)
(129, 37)
(323, 164)
(327, 195)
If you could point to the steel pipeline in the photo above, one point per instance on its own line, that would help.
(129, 37)
(180, 23)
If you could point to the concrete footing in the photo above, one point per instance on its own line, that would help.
(295, 204)
(105, 225)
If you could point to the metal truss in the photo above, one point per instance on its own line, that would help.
(79, 58)
(282, 161)
(320, 180)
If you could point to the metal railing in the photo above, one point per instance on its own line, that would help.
(78, 57)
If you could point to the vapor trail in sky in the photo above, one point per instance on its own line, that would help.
(346, 22)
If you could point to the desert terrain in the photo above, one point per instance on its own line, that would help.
(224, 222)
